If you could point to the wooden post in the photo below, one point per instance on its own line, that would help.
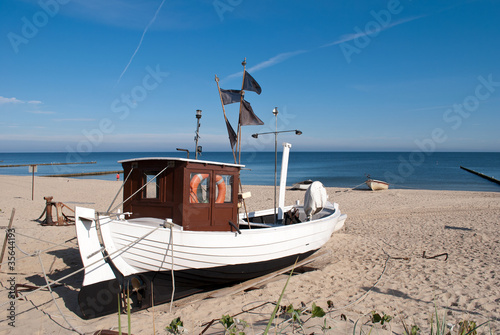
(244, 63)
(48, 211)
(7, 235)
(33, 169)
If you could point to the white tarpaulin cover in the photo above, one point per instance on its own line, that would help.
(315, 199)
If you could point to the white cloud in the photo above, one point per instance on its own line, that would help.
(4, 100)
(41, 112)
(133, 14)
(428, 108)
(77, 119)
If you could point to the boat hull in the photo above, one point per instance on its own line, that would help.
(377, 185)
(156, 288)
(116, 252)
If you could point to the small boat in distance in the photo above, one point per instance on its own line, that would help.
(302, 185)
(377, 185)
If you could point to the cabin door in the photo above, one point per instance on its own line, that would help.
(198, 212)
(211, 201)
(223, 208)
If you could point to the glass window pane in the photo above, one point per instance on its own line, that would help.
(152, 190)
(224, 183)
(199, 188)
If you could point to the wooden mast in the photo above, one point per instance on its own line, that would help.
(244, 63)
(238, 136)
(225, 117)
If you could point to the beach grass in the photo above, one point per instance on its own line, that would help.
(371, 323)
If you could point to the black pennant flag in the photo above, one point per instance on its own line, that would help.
(251, 84)
(248, 117)
(230, 96)
(231, 134)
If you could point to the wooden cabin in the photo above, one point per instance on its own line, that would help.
(198, 195)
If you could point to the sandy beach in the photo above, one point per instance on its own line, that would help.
(375, 263)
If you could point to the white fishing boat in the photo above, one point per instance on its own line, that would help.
(184, 228)
(181, 222)
(377, 185)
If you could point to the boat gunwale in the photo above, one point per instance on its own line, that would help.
(377, 181)
(177, 227)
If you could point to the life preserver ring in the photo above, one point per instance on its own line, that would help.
(195, 182)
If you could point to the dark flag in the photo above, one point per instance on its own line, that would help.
(251, 84)
(230, 96)
(231, 133)
(248, 117)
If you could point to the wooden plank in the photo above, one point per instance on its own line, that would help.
(7, 235)
(262, 280)
(110, 332)
(249, 283)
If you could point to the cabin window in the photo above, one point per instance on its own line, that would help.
(224, 183)
(199, 186)
(152, 188)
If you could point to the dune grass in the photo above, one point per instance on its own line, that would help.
(293, 322)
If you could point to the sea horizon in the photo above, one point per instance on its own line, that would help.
(439, 170)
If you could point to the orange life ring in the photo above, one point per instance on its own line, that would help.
(221, 187)
(195, 182)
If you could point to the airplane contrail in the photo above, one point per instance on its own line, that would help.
(142, 38)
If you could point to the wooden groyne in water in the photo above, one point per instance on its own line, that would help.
(481, 175)
(98, 173)
(40, 164)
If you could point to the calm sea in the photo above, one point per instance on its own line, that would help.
(436, 171)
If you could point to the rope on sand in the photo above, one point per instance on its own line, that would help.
(389, 257)
(83, 268)
(364, 295)
(52, 295)
(50, 284)
(369, 290)
(38, 253)
(41, 310)
(350, 189)
(355, 301)
(41, 251)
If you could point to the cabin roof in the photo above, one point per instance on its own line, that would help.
(167, 159)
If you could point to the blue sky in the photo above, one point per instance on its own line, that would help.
(122, 75)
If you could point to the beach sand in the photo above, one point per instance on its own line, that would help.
(375, 263)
